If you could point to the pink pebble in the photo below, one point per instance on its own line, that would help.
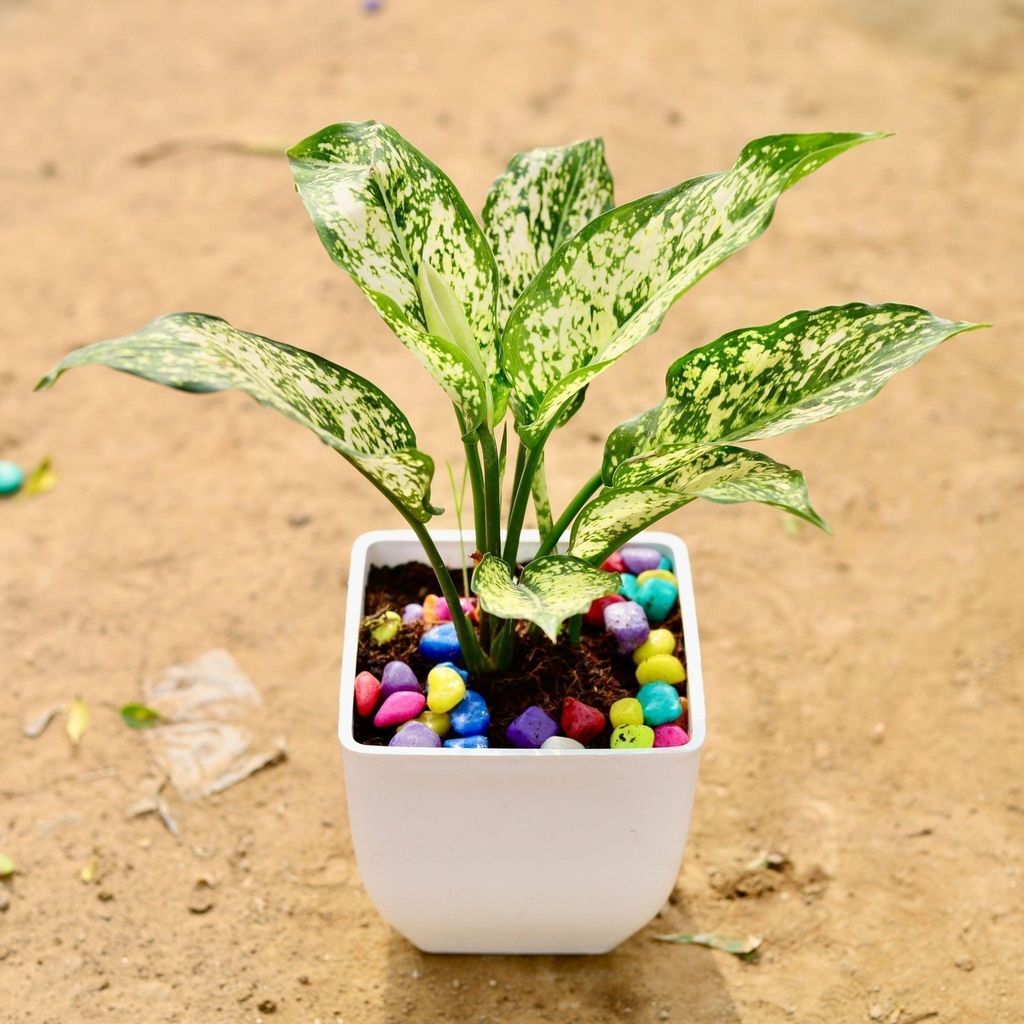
(443, 612)
(398, 708)
(367, 692)
(670, 736)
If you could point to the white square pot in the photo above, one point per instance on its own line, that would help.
(516, 851)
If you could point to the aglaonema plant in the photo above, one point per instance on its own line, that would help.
(515, 319)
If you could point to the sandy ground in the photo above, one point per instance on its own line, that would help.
(865, 698)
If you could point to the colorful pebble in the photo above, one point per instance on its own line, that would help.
(436, 720)
(561, 743)
(445, 688)
(412, 613)
(658, 597)
(666, 563)
(444, 613)
(635, 737)
(470, 716)
(386, 628)
(415, 734)
(627, 711)
(661, 668)
(455, 668)
(659, 641)
(430, 616)
(367, 693)
(638, 559)
(531, 728)
(399, 708)
(397, 676)
(467, 742)
(11, 477)
(670, 736)
(441, 643)
(627, 621)
(660, 703)
(614, 563)
(580, 721)
(657, 574)
(595, 616)
(629, 588)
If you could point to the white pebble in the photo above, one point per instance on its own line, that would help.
(561, 743)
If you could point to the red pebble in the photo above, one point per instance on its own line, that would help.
(367, 693)
(595, 616)
(580, 721)
(614, 563)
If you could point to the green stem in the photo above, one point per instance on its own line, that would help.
(520, 499)
(575, 627)
(570, 513)
(476, 482)
(492, 489)
(542, 501)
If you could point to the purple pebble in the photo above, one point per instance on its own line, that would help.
(531, 728)
(628, 622)
(415, 734)
(639, 559)
(412, 613)
(397, 676)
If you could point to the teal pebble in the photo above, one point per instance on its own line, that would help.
(628, 587)
(657, 598)
(11, 477)
(467, 742)
(660, 703)
(665, 563)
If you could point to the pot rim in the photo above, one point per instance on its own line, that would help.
(361, 550)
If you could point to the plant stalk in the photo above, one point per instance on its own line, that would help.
(542, 501)
(570, 513)
(492, 489)
(520, 499)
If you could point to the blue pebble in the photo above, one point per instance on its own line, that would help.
(657, 598)
(628, 588)
(470, 716)
(441, 643)
(660, 703)
(666, 563)
(455, 668)
(11, 477)
(467, 742)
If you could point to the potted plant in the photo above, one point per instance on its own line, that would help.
(508, 837)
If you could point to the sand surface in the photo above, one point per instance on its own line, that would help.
(864, 690)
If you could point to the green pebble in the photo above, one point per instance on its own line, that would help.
(633, 737)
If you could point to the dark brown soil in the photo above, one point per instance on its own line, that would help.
(542, 673)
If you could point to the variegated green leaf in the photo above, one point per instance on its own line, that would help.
(550, 590)
(610, 285)
(382, 210)
(538, 202)
(723, 474)
(762, 381)
(194, 352)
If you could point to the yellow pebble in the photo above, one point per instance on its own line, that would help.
(657, 574)
(628, 711)
(635, 736)
(436, 720)
(445, 688)
(659, 641)
(662, 668)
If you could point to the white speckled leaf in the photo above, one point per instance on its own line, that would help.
(538, 202)
(381, 209)
(194, 352)
(550, 590)
(761, 381)
(724, 474)
(610, 285)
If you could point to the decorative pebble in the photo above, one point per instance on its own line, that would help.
(455, 668)
(638, 559)
(367, 693)
(430, 616)
(445, 688)
(629, 588)
(580, 721)
(658, 598)
(635, 737)
(657, 574)
(595, 615)
(614, 563)
(399, 708)
(441, 643)
(670, 736)
(661, 668)
(444, 613)
(659, 641)
(660, 703)
(11, 477)
(467, 742)
(470, 716)
(531, 728)
(436, 720)
(415, 734)
(561, 743)
(385, 627)
(627, 711)
(412, 613)
(627, 621)
(666, 563)
(397, 676)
